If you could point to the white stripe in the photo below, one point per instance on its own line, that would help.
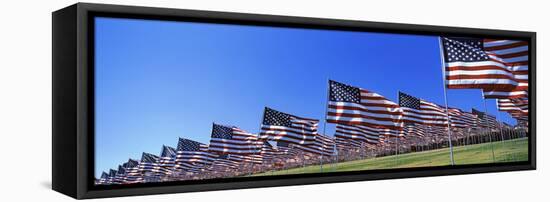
(479, 72)
(476, 64)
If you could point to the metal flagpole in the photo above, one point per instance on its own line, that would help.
(446, 105)
(259, 133)
(325, 120)
(487, 123)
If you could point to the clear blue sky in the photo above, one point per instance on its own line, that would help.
(160, 80)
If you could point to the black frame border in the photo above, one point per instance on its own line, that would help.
(84, 162)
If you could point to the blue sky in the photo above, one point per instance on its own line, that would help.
(160, 80)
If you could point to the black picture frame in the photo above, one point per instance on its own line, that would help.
(73, 100)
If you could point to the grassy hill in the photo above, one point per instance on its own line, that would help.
(506, 151)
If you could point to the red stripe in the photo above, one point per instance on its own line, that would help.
(489, 87)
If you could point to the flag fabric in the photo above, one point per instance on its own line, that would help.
(167, 161)
(470, 64)
(437, 130)
(361, 133)
(279, 126)
(419, 111)
(133, 174)
(516, 55)
(112, 175)
(519, 106)
(269, 152)
(287, 149)
(148, 162)
(223, 163)
(355, 106)
(232, 140)
(103, 178)
(120, 174)
(192, 154)
(471, 120)
(485, 120)
(104, 175)
(323, 145)
(414, 129)
(519, 117)
(498, 67)
(345, 143)
(130, 163)
(458, 118)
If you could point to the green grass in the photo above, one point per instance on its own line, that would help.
(506, 151)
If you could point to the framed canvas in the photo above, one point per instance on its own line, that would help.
(157, 100)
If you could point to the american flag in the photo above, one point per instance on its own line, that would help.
(519, 106)
(457, 117)
(472, 121)
(104, 177)
(499, 67)
(287, 149)
(269, 152)
(132, 171)
(192, 154)
(148, 162)
(417, 130)
(358, 133)
(485, 120)
(130, 163)
(112, 175)
(516, 55)
(232, 140)
(419, 111)
(437, 130)
(519, 116)
(347, 144)
(120, 174)
(323, 145)
(166, 162)
(223, 163)
(355, 106)
(279, 126)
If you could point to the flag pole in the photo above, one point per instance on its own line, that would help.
(325, 120)
(487, 123)
(446, 104)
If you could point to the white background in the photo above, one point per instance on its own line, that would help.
(25, 99)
